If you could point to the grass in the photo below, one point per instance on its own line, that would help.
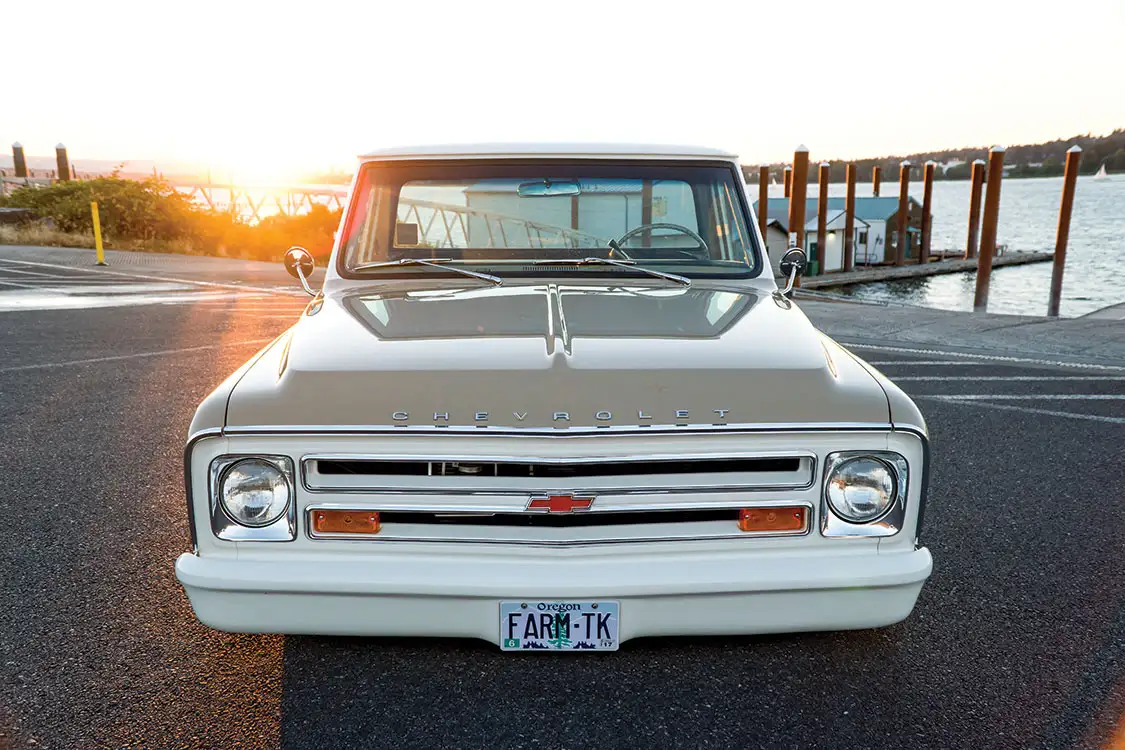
(32, 234)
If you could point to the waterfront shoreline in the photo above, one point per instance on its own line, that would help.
(1087, 338)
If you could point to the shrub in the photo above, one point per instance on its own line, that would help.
(151, 214)
(148, 210)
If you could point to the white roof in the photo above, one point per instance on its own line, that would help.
(541, 150)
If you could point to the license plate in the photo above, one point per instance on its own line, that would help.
(558, 626)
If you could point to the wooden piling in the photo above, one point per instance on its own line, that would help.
(903, 214)
(974, 208)
(788, 181)
(798, 193)
(927, 203)
(849, 220)
(798, 190)
(19, 160)
(822, 176)
(62, 163)
(646, 211)
(988, 227)
(876, 179)
(1070, 180)
(763, 198)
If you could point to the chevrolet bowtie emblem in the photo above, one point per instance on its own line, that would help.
(560, 503)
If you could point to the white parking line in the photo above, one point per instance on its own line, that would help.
(140, 355)
(60, 283)
(928, 362)
(251, 299)
(1001, 378)
(985, 357)
(9, 269)
(263, 299)
(234, 307)
(241, 287)
(1026, 397)
(1045, 412)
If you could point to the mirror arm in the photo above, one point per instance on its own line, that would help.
(304, 281)
(792, 280)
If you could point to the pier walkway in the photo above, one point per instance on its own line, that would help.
(914, 271)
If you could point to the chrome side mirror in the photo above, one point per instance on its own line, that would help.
(792, 265)
(299, 263)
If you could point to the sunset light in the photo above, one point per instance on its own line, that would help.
(274, 95)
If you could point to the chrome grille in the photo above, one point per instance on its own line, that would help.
(485, 498)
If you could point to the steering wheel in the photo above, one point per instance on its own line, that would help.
(616, 246)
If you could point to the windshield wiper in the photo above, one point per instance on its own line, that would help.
(632, 264)
(432, 263)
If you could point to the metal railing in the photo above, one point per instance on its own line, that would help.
(511, 231)
(256, 202)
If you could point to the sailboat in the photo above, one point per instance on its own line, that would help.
(1101, 175)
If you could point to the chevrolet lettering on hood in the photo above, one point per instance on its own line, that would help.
(555, 398)
(601, 415)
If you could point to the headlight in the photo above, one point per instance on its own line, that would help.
(861, 489)
(254, 492)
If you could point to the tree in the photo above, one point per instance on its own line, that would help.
(1117, 163)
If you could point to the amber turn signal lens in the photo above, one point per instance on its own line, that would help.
(345, 522)
(784, 518)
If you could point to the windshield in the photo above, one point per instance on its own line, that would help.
(513, 219)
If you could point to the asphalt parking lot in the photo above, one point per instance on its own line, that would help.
(1018, 639)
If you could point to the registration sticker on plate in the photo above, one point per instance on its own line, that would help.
(558, 626)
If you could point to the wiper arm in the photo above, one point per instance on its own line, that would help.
(432, 263)
(620, 264)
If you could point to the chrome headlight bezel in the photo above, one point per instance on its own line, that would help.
(889, 522)
(284, 529)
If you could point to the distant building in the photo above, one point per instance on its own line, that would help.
(876, 220)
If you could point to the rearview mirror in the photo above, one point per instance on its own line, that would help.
(299, 263)
(792, 265)
(542, 188)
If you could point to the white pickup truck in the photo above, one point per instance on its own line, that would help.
(552, 397)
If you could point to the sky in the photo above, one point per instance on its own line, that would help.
(271, 91)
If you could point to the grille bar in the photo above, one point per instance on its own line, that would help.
(654, 473)
(333, 467)
(562, 520)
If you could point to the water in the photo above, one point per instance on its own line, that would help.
(1029, 212)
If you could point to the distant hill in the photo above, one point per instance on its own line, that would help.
(129, 168)
(1029, 160)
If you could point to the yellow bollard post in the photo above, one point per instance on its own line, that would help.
(97, 233)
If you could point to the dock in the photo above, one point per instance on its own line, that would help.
(890, 272)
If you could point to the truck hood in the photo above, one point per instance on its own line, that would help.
(555, 356)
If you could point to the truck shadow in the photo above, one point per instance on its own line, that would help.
(402, 692)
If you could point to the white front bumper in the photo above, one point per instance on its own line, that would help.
(711, 592)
